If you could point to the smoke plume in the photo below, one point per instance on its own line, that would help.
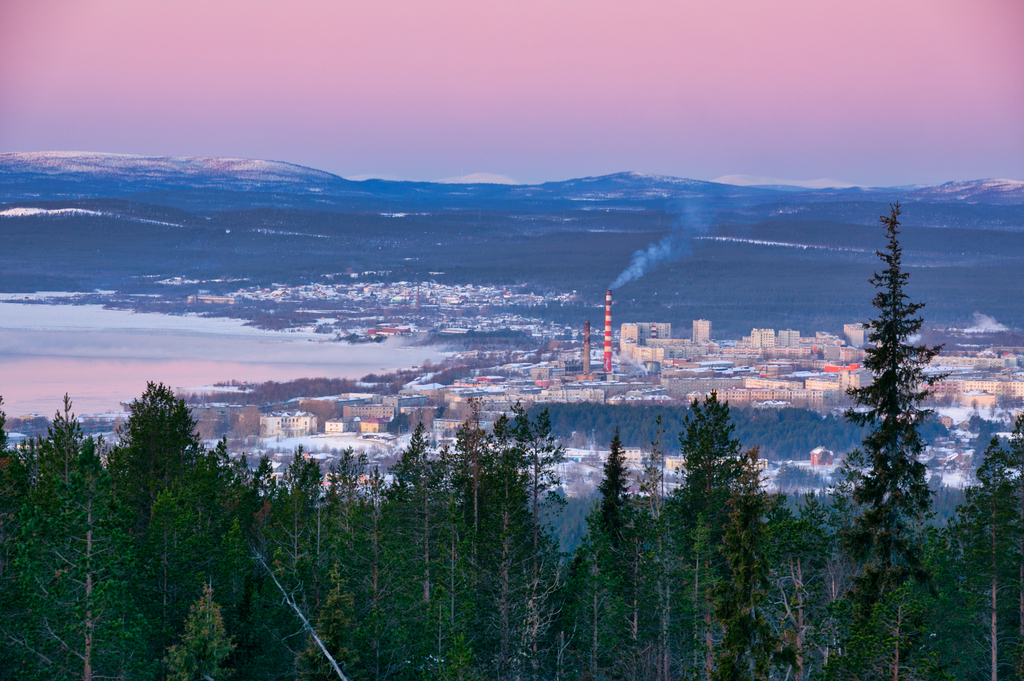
(671, 247)
(675, 246)
(985, 324)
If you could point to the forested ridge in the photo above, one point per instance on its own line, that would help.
(787, 433)
(155, 558)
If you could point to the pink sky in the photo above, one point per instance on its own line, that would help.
(886, 92)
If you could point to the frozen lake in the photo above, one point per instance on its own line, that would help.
(102, 357)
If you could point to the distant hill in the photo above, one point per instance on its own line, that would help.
(228, 183)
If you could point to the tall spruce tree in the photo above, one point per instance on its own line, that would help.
(894, 491)
(888, 635)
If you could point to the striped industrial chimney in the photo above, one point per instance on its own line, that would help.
(586, 348)
(608, 332)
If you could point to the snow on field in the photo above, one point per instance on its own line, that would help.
(23, 212)
(39, 296)
(27, 212)
(339, 441)
(961, 414)
(786, 244)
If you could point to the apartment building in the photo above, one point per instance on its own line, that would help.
(813, 399)
(571, 395)
(827, 382)
(369, 411)
(789, 338)
(638, 333)
(701, 331)
(762, 338)
(640, 354)
(343, 425)
(855, 334)
(772, 384)
(843, 355)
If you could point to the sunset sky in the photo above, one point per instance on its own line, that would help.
(875, 93)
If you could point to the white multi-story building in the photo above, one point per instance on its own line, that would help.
(789, 338)
(287, 424)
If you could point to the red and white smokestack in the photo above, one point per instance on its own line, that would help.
(608, 332)
(586, 348)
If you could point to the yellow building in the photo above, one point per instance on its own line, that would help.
(373, 425)
(977, 399)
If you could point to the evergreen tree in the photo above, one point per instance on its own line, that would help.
(75, 559)
(663, 585)
(194, 537)
(986, 521)
(749, 645)
(712, 455)
(1015, 463)
(157, 445)
(205, 645)
(887, 635)
(894, 493)
(413, 500)
(504, 557)
(455, 599)
(700, 512)
(335, 626)
(541, 456)
(58, 453)
(15, 483)
(806, 564)
(613, 488)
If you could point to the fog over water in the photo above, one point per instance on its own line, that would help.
(103, 357)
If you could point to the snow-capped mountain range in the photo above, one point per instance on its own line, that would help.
(82, 175)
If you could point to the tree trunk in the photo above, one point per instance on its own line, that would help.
(798, 583)
(89, 623)
(995, 639)
(1019, 469)
(505, 604)
(995, 632)
(665, 625)
(426, 544)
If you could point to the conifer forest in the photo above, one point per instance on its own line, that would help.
(154, 557)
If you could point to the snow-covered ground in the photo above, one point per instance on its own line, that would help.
(961, 414)
(336, 441)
